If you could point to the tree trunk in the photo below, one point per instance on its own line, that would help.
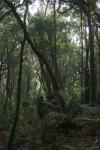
(87, 74)
(7, 82)
(46, 79)
(92, 61)
(18, 96)
(98, 65)
(82, 68)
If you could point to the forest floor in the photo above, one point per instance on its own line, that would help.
(85, 137)
(2, 146)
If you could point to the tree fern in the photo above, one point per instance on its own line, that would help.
(58, 116)
(71, 111)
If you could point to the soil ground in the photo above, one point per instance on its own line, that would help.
(85, 137)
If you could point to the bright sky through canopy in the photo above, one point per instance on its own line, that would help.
(34, 7)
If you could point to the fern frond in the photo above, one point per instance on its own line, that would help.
(58, 116)
(88, 111)
(51, 105)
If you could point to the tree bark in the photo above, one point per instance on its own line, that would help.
(82, 68)
(87, 73)
(18, 97)
(92, 61)
(98, 65)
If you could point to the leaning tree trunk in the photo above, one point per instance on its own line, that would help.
(55, 84)
(47, 83)
(18, 97)
(7, 82)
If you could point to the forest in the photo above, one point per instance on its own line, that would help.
(49, 74)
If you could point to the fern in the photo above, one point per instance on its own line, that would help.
(72, 110)
(58, 116)
(88, 111)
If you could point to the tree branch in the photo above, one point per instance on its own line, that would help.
(62, 12)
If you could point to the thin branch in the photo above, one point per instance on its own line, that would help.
(62, 12)
(46, 7)
(8, 12)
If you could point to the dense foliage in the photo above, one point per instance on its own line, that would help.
(49, 68)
